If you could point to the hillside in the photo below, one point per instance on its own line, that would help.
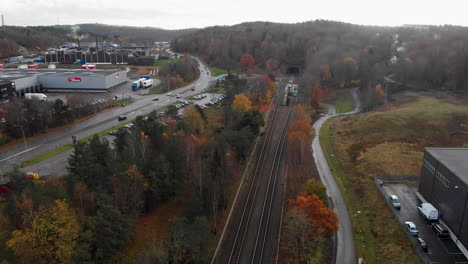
(15, 40)
(342, 55)
(391, 141)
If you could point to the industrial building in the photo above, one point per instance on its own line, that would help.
(444, 184)
(71, 53)
(7, 90)
(41, 80)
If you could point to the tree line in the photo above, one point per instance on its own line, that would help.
(341, 55)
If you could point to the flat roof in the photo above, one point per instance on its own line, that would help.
(13, 74)
(454, 159)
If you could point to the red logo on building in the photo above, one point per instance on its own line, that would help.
(74, 79)
(116, 76)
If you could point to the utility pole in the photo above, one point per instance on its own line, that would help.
(24, 138)
(3, 22)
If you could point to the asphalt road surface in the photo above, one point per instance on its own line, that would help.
(440, 250)
(96, 124)
(345, 247)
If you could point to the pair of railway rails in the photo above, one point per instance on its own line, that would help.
(250, 237)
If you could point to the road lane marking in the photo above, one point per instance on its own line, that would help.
(19, 153)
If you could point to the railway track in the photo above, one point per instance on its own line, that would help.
(251, 231)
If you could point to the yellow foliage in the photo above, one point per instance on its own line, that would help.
(342, 84)
(52, 237)
(241, 103)
(193, 120)
(409, 60)
(350, 60)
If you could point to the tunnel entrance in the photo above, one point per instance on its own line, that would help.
(293, 70)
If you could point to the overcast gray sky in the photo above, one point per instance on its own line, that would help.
(176, 14)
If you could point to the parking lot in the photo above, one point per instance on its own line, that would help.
(440, 250)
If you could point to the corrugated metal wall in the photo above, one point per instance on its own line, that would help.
(82, 80)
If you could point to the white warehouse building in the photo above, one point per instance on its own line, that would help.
(39, 80)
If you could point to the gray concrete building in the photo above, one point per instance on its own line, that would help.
(444, 184)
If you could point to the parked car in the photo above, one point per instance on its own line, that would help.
(439, 230)
(169, 94)
(422, 244)
(113, 132)
(193, 89)
(178, 96)
(156, 99)
(129, 125)
(412, 228)
(209, 103)
(121, 117)
(395, 201)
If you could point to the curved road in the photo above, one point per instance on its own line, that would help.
(345, 247)
(99, 122)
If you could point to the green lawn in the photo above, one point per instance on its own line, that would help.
(343, 101)
(46, 155)
(217, 71)
(161, 63)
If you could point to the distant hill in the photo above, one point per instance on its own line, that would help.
(15, 40)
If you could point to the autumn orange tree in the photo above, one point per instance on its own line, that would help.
(300, 135)
(324, 220)
(272, 66)
(247, 62)
(300, 113)
(241, 103)
(317, 94)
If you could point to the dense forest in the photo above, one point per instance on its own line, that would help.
(15, 40)
(342, 55)
(89, 215)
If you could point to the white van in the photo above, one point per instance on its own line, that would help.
(429, 212)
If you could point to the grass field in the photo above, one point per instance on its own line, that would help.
(343, 101)
(161, 63)
(217, 71)
(388, 140)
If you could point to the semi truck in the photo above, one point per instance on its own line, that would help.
(142, 83)
(35, 96)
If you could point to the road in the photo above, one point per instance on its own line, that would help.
(252, 232)
(345, 247)
(99, 122)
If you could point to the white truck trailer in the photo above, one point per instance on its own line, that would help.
(35, 96)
